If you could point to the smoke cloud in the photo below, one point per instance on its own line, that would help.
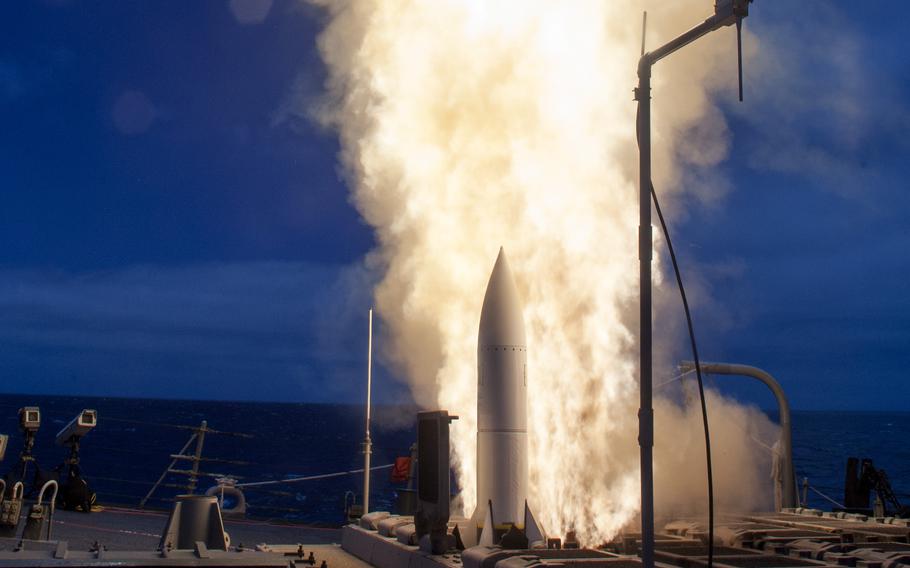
(466, 125)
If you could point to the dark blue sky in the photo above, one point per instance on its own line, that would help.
(808, 256)
(167, 228)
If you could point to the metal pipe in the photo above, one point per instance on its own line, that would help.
(367, 443)
(684, 39)
(788, 491)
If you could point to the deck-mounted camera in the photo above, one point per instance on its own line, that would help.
(74, 491)
(78, 427)
(29, 419)
(72, 433)
(29, 423)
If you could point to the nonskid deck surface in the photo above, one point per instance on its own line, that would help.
(50, 554)
(129, 538)
(795, 539)
(131, 529)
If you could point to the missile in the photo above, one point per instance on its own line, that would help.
(502, 416)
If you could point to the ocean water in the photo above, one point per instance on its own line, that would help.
(131, 448)
(132, 444)
(822, 441)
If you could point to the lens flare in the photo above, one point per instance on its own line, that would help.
(470, 124)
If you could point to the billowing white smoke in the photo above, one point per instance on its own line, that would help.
(470, 124)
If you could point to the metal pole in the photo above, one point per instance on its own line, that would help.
(725, 14)
(412, 467)
(788, 489)
(367, 443)
(645, 411)
(200, 439)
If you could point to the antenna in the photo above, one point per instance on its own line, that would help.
(739, 54)
(644, 29)
(740, 11)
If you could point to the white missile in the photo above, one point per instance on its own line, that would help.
(502, 417)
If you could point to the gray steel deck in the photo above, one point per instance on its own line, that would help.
(128, 538)
(131, 529)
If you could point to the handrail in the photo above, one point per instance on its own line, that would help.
(52, 502)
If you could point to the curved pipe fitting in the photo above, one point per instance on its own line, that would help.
(788, 491)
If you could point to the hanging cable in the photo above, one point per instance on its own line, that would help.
(311, 477)
(829, 499)
(701, 388)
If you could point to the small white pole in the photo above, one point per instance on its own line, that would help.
(367, 443)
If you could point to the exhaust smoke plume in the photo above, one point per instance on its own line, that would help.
(469, 124)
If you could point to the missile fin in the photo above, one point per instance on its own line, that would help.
(532, 529)
(487, 535)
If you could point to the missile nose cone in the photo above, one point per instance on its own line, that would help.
(501, 322)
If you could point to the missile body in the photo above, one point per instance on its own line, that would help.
(502, 434)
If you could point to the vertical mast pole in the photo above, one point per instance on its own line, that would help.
(645, 411)
(726, 12)
(367, 443)
(197, 455)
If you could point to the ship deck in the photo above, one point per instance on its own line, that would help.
(794, 539)
(117, 528)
